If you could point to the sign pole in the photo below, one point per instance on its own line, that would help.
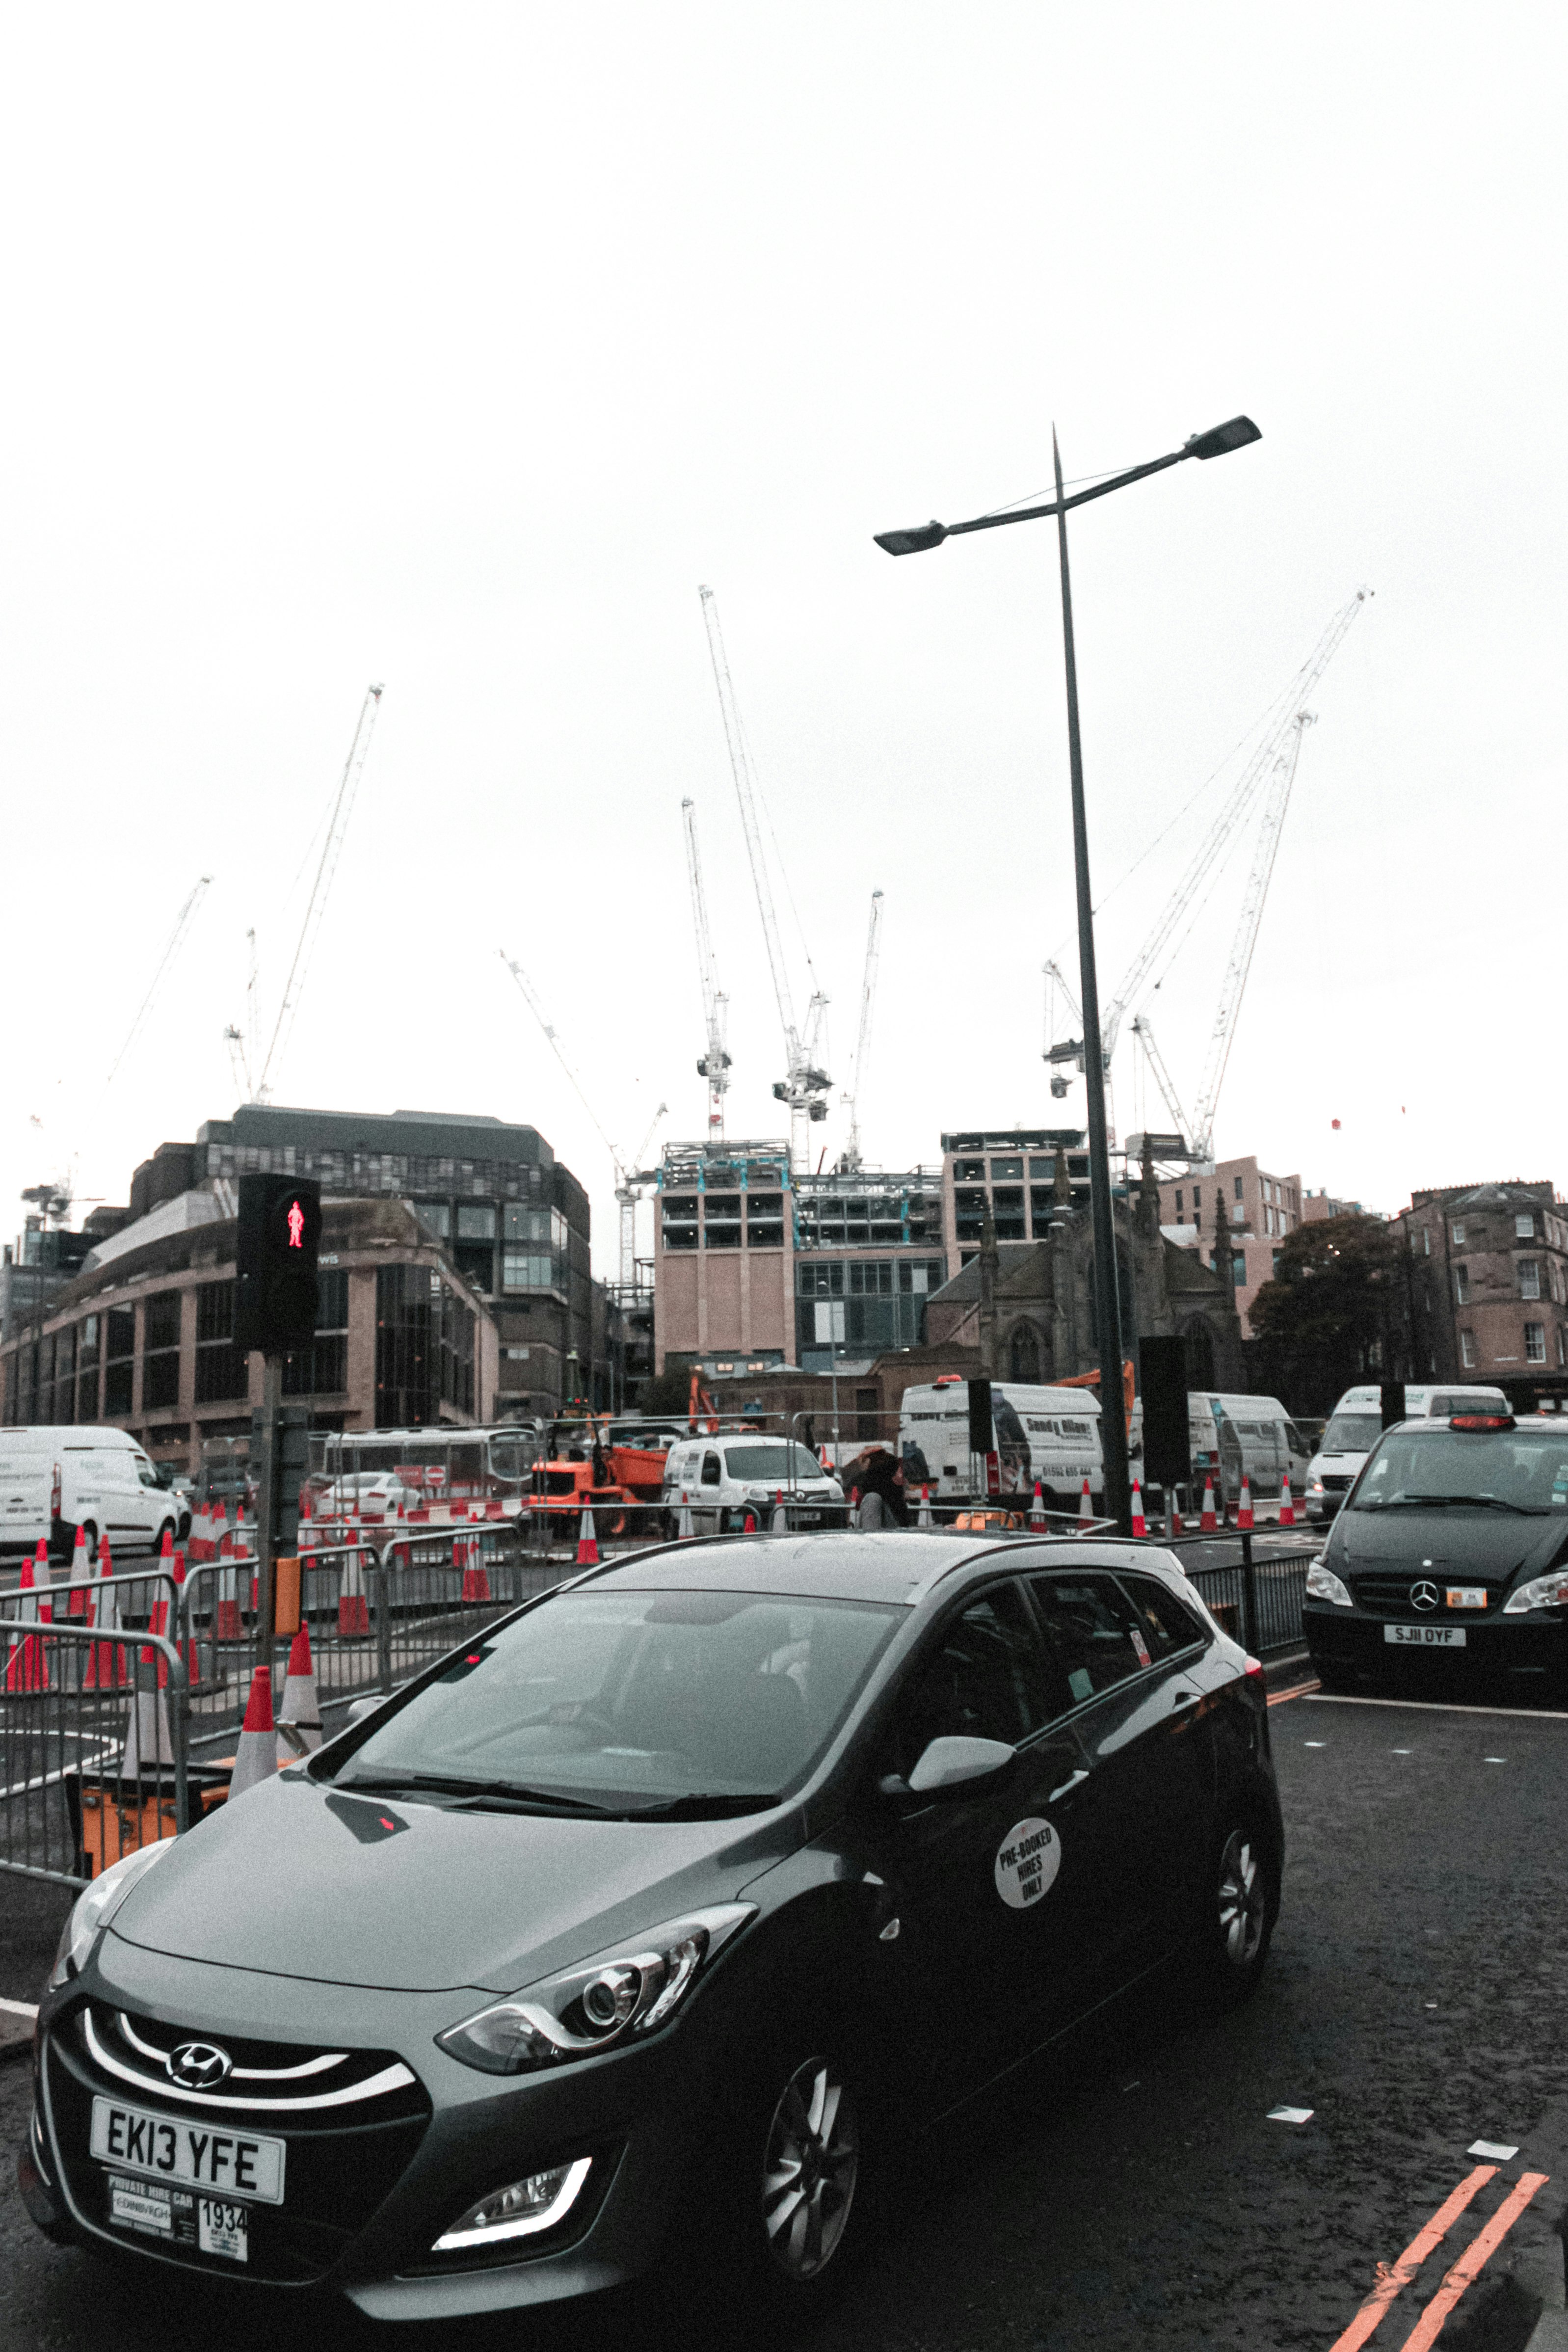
(267, 1499)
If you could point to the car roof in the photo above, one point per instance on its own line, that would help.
(893, 1565)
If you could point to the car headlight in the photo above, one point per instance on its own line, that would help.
(1541, 1593)
(630, 1990)
(1322, 1584)
(90, 1913)
(1316, 1488)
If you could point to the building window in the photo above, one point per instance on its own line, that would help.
(679, 1221)
(87, 1369)
(1238, 1267)
(1562, 1345)
(1461, 1285)
(425, 1346)
(1426, 1241)
(1457, 1231)
(765, 1220)
(1007, 1171)
(1178, 1204)
(1529, 1278)
(160, 1352)
(1024, 1354)
(1274, 1261)
(721, 1221)
(322, 1369)
(1535, 1343)
(435, 1216)
(223, 1370)
(1238, 1183)
(1468, 1350)
(477, 1223)
(969, 1171)
(1197, 1198)
(1524, 1225)
(118, 1361)
(528, 1270)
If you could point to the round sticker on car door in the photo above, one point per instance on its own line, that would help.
(1027, 1863)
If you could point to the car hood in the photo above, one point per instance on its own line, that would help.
(295, 1879)
(1483, 1543)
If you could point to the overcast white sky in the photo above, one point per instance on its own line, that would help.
(453, 348)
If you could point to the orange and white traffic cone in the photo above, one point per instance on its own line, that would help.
(1037, 1508)
(191, 1667)
(1244, 1507)
(1208, 1523)
(353, 1609)
(256, 1757)
(854, 1507)
(27, 1668)
(587, 1542)
(108, 1668)
(147, 1741)
(476, 1581)
(684, 1529)
(81, 1577)
(1085, 1506)
(300, 1705)
(1140, 1525)
(780, 1515)
(226, 1615)
(1286, 1508)
(924, 1518)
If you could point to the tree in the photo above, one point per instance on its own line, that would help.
(669, 1391)
(1333, 1313)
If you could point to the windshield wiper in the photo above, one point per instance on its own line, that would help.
(703, 1806)
(1483, 1502)
(467, 1791)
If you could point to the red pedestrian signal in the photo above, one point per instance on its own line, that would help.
(279, 1233)
(296, 1225)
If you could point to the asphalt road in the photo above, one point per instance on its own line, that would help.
(1132, 2191)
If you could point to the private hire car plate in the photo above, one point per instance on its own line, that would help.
(175, 2150)
(1426, 1637)
(212, 2225)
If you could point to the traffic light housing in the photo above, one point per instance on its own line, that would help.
(280, 1235)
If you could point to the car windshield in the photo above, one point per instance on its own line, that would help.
(1353, 1433)
(1514, 1469)
(780, 1463)
(635, 1703)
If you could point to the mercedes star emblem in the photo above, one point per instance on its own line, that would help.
(1424, 1595)
(198, 2065)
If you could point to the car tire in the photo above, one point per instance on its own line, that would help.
(1240, 1905)
(783, 2206)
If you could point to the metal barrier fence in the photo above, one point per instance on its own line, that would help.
(93, 1748)
(1256, 1597)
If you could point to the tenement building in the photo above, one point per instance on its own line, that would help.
(1488, 1280)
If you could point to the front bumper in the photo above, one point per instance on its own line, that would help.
(1528, 1650)
(364, 2204)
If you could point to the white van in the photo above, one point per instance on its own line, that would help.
(1357, 1424)
(54, 1480)
(1048, 1434)
(1232, 1437)
(725, 1476)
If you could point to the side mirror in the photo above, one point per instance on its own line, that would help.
(359, 1708)
(959, 1762)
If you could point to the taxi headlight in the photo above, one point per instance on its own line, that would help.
(91, 1910)
(1541, 1593)
(1322, 1584)
(519, 2211)
(615, 1998)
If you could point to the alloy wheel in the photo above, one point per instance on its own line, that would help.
(1242, 1901)
(810, 2169)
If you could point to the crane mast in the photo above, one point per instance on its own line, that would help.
(715, 1063)
(862, 1040)
(175, 941)
(804, 1085)
(1142, 1030)
(338, 825)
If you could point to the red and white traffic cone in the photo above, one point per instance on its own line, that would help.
(1208, 1523)
(749, 1525)
(353, 1609)
(780, 1515)
(191, 1667)
(1244, 1507)
(924, 1518)
(300, 1705)
(1286, 1508)
(1140, 1525)
(854, 1507)
(684, 1529)
(225, 1616)
(587, 1541)
(27, 1666)
(107, 1666)
(256, 1757)
(476, 1582)
(1037, 1508)
(147, 1741)
(1085, 1506)
(81, 1577)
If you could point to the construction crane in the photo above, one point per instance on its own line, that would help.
(715, 1063)
(177, 940)
(1262, 766)
(337, 826)
(627, 1172)
(852, 1159)
(1142, 1030)
(242, 1043)
(805, 1083)
(1245, 940)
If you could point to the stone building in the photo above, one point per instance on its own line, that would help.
(1259, 1210)
(1028, 1314)
(1487, 1285)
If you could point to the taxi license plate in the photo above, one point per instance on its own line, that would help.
(174, 2150)
(1426, 1637)
(212, 2225)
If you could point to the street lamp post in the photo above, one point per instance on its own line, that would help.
(1234, 434)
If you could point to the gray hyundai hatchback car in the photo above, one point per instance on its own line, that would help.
(636, 1923)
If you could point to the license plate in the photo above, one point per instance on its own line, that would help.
(212, 2225)
(173, 2148)
(1426, 1637)
(807, 1519)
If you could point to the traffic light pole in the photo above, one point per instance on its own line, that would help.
(267, 1510)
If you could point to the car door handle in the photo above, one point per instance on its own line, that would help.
(1185, 1700)
(1068, 1785)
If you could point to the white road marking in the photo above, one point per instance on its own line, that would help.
(19, 2007)
(1494, 1759)
(1290, 2115)
(1314, 1743)
(1438, 1707)
(1402, 1751)
(1498, 2151)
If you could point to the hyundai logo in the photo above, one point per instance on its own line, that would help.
(1424, 1595)
(198, 2065)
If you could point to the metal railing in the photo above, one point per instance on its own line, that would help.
(93, 1748)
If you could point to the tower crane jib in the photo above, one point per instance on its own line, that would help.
(175, 941)
(862, 1041)
(715, 1063)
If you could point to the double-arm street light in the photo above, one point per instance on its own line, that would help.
(1218, 443)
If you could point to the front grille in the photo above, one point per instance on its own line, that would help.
(343, 2159)
(1335, 1482)
(1389, 1596)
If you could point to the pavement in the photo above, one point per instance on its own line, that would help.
(1133, 2189)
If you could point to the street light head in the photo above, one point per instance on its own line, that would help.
(1220, 439)
(912, 542)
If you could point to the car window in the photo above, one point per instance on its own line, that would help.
(712, 1475)
(987, 1679)
(1517, 1470)
(1168, 1626)
(1096, 1634)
